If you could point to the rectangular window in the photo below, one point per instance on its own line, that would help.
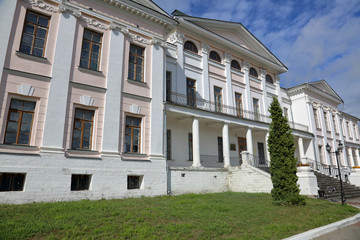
(286, 113)
(132, 134)
(238, 105)
(191, 92)
(220, 149)
(136, 63)
(256, 109)
(356, 132)
(34, 34)
(12, 182)
(349, 130)
(334, 122)
(19, 122)
(190, 145)
(316, 117)
(90, 51)
(134, 182)
(83, 127)
(168, 144)
(80, 182)
(168, 86)
(218, 99)
(326, 121)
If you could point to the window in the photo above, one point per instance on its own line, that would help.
(80, 182)
(218, 99)
(12, 182)
(253, 72)
(34, 34)
(19, 123)
(134, 182)
(235, 64)
(238, 103)
(269, 79)
(191, 92)
(132, 135)
(342, 127)
(190, 141)
(286, 113)
(220, 149)
(90, 51)
(168, 86)
(326, 121)
(349, 130)
(356, 132)
(215, 56)
(316, 117)
(168, 144)
(256, 109)
(83, 127)
(191, 47)
(334, 122)
(136, 63)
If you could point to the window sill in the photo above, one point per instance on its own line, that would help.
(143, 84)
(32, 57)
(19, 149)
(91, 71)
(73, 153)
(135, 157)
(218, 64)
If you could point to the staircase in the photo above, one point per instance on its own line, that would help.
(331, 187)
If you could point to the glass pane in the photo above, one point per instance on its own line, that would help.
(85, 54)
(128, 140)
(131, 75)
(131, 58)
(10, 138)
(139, 77)
(127, 148)
(140, 51)
(38, 52)
(96, 48)
(31, 17)
(136, 132)
(93, 66)
(14, 116)
(128, 131)
(139, 61)
(96, 37)
(87, 126)
(85, 144)
(27, 39)
(43, 21)
(84, 63)
(135, 148)
(79, 113)
(139, 70)
(129, 121)
(12, 127)
(77, 124)
(24, 139)
(29, 106)
(25, 128)
(41, 33)
(76, 143)
(39, 43)
(86, 45)
(131, 67)
(86, 135)
(87, 35)
(25, 49)
(29, 28)
(137, 122)
(77, 133)
(88, 115)
(136, 141)
(132, 48)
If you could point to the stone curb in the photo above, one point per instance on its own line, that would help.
(317, 232)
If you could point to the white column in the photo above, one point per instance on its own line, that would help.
(357, 157)
(342, 137)
(313, 129)
(301, 150)
(248, 104)
(7, 13)
(266, 146)
(352, 130)
(323, 129)
(113, 94)
(264, 96)
(351, 160)
(196, 143)
(332, 128)
(59, 85)
(205, 74)
(229, 94)
(226, 145)
(249, 144)
(278, 89)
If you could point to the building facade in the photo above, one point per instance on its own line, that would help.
(112, 99)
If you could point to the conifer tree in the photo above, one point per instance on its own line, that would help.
(283, 169)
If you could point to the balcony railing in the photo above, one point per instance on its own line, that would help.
(210, 106)
(193, 102)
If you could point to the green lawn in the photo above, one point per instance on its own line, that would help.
(209, 216)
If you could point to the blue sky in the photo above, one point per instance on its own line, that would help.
(315, 39)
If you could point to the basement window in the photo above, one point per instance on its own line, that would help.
(80, 182)
(134, 182)
(12, 182)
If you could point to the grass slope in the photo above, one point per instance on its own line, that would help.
(210, 216)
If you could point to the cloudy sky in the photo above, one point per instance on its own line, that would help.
(315, 39)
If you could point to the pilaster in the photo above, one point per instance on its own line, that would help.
(229, 97)
(249, 143)
(248, 104)
(263, 85)
(196, 143)
(205, 76)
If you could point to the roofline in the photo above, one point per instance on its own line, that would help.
(349, 115)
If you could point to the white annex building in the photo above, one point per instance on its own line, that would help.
(115, 98)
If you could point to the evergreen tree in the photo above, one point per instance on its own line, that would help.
(283, 169)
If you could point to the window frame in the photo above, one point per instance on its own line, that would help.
(269, 79)
(256, 113)
(239, 107)
(82, 121)
(168, 85)
(190, 92)
(131, 178)
(35, 33)
(218, 99)
(235, 65)
(136, 57)
(132, 127)
(192, 46)
(13, 182)
(77, 178)
(168, 144)
(20, 121)
(253, 72)
(91, 49)
(214, 56)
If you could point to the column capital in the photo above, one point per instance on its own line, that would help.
(157, 41)
(204, 48)
(246, 66)
(228, 58)
(176, 37)
(262, 72)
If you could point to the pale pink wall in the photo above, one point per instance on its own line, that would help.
(254, 84)
(216, 70)
(24, 63)
(237, 77)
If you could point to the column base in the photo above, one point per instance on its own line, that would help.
(354, 177)
(307, 181)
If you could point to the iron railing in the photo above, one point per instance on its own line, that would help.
(330, 170)
(218, 107)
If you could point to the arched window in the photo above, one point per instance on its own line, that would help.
(191, 47)
(235, 64)
(269, 79)
(215, 56)
(253, 72)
